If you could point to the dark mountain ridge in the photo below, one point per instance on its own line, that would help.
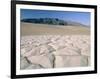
(52, 21)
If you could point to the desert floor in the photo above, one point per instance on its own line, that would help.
(38, 29)
(49, 46)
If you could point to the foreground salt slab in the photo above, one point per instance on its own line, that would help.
(71, 61)
(53, 51)
(44, 61)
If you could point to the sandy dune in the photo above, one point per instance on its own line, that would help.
(38, 29)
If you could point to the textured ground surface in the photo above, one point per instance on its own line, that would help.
(54, 51)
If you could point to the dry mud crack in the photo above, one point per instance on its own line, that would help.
(54, 51)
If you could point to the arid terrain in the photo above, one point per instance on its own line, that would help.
(54, 46)
(44, 29)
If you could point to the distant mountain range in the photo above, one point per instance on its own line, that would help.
(52, 21)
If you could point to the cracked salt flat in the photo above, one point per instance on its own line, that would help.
(53, 51)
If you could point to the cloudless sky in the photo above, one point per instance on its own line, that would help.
(80, 17)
